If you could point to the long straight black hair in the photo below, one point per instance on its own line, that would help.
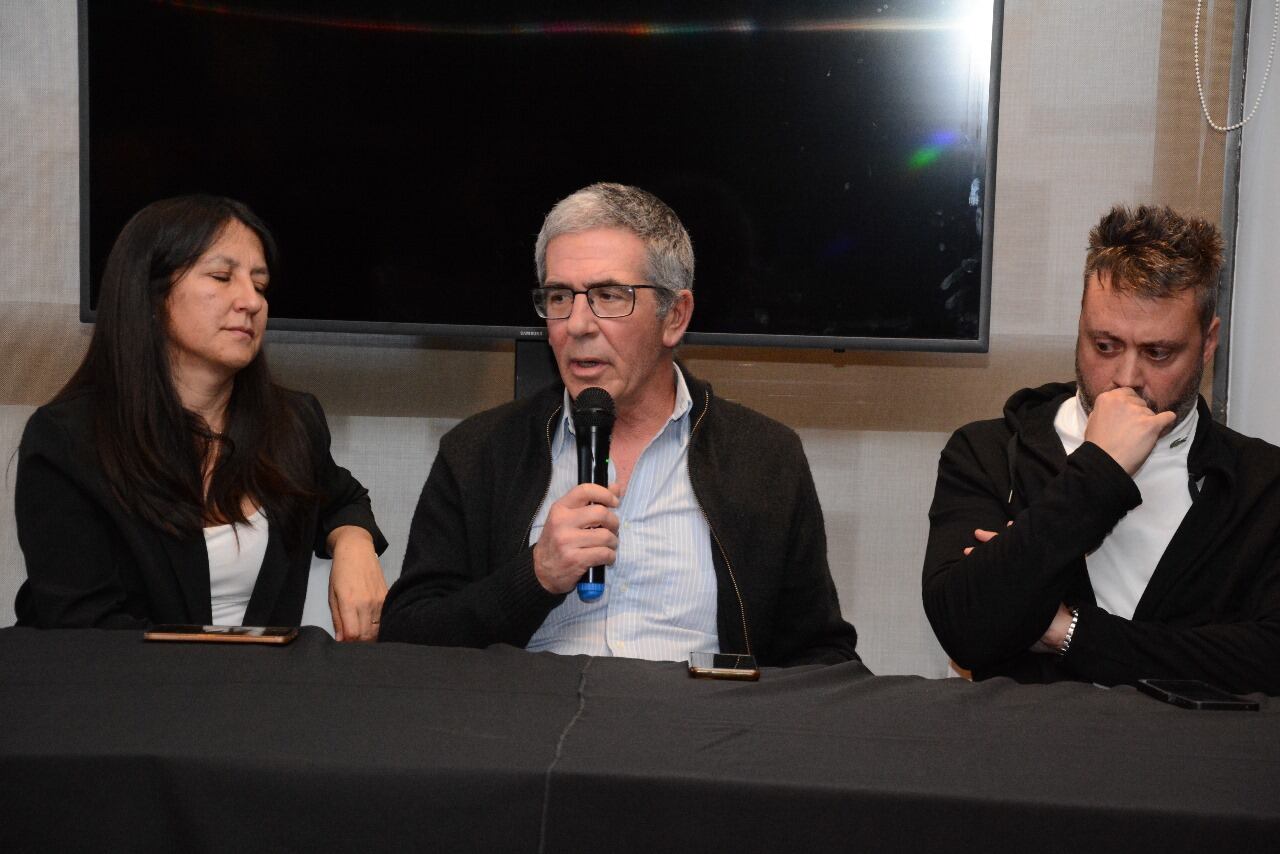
(152, 450)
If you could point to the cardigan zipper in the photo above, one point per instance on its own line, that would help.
(551, 473)
(733, 579)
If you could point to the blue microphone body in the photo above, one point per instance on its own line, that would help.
(593, 415)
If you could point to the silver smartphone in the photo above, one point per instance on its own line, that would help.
(723, 665)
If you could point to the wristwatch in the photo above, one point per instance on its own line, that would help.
(1071, 632)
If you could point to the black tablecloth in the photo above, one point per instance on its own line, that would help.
(110, 743)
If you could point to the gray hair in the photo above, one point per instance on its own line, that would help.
(668, 250)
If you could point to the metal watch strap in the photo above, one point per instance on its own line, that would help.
(1071, 632)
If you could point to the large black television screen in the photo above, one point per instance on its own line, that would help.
(833, 161)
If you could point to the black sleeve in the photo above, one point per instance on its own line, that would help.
(1222, 627)
(68, 540)
(1242, 656)
(451, 592)
(992, 605)
(343, 500)
(809, 628)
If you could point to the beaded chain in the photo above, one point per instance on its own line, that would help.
(1195, 46)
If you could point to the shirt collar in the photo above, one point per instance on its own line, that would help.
(679, 412)
(1075, 422)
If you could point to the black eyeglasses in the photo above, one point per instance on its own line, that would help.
(556, 302)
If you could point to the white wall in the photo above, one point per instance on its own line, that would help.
(39, 232)
(1253, 395)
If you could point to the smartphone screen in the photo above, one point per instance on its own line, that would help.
(723, 665)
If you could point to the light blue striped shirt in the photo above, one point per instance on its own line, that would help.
(660, 596)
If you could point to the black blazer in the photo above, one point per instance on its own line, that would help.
(92, 564)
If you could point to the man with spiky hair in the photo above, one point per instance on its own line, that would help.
(1108, 530)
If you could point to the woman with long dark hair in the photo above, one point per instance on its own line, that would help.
(170, 480)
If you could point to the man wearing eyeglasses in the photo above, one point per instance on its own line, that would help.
(711, 530)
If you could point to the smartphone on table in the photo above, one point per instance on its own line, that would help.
(1194, 694)
(723, 665)
(222, 634)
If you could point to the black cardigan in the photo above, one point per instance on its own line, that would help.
(468, 576)
(92, 564)
(1211, 610)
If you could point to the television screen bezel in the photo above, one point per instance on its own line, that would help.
(490, 334)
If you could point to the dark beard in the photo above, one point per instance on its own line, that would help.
(1181, 406)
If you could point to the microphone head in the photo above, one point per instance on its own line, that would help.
(593, 408)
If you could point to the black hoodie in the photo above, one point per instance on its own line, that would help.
(1211, 610)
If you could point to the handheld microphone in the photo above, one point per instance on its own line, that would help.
(593, 415)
